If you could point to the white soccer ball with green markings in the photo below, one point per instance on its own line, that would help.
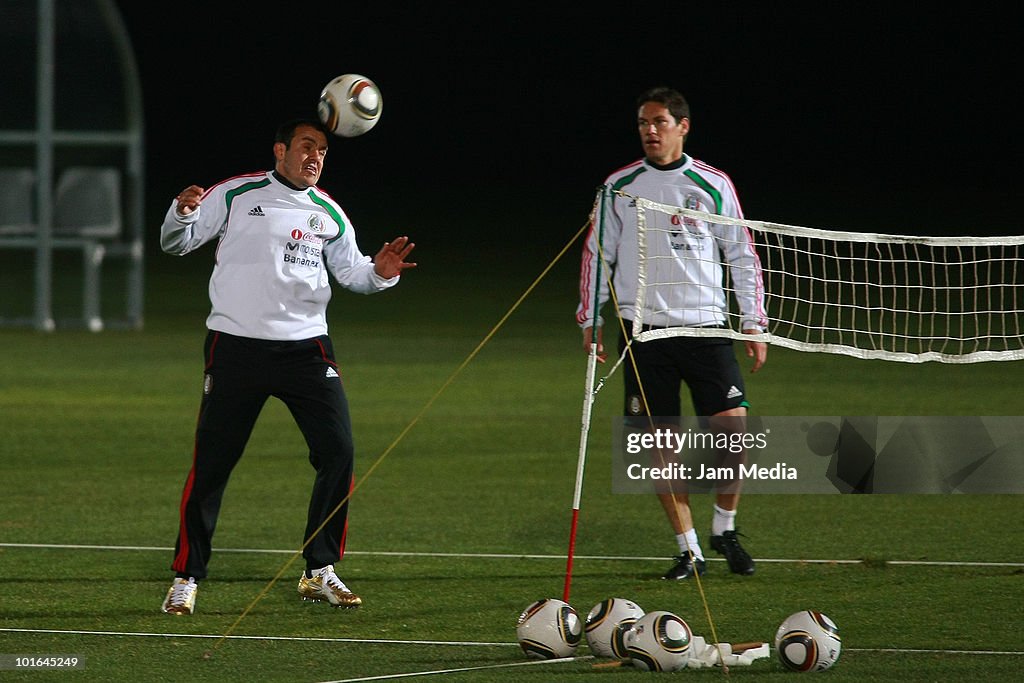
(659, 641)
(549, 629)
(606, 624)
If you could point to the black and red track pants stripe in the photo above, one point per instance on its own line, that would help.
(240, 375)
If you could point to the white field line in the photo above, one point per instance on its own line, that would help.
(925, 651)
(458, 643)
(413, 674)
(304, 639)
(506, 556)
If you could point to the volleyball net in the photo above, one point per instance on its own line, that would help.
(891, 297)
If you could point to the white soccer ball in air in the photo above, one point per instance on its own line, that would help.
(606, 624)
(659, 641)
(350, 105)
(808, 641)
(549, 629)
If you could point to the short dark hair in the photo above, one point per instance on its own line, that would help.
(671, 98)
(286, 131)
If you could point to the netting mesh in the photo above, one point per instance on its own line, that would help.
(890, 297)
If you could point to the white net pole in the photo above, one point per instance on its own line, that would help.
(588, 399)
(892, 297)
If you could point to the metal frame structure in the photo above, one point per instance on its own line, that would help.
(46, 140)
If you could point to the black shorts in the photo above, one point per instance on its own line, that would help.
(707, 365)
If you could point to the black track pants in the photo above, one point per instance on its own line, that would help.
(240, 375)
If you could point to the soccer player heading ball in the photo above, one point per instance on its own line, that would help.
(279, 237)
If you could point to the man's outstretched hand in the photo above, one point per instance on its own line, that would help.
(390, 260)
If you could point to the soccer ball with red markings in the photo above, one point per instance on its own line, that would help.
(549, 629)
(350, 105)
(808, 641)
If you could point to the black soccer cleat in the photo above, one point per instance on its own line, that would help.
(685, 567)
(739, 560)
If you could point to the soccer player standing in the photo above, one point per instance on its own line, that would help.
(706, 364)
(279, 237)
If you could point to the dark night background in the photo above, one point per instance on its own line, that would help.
(501, 120)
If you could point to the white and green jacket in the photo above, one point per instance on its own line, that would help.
(686, 257)
(276, 245)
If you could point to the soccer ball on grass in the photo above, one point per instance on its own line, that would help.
(549, 629)
(659, 641)
(350, 105)
(606, 625)
(808, 641)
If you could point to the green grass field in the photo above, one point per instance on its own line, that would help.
(461, 516)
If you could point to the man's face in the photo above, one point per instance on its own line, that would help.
(302, 161)
(660, 134)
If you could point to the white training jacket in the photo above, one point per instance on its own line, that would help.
(685, 251)
(276, 246)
